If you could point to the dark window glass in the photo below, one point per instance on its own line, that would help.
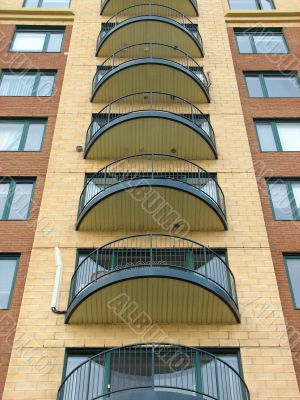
(278, 135)
(264, 42)
(47, 3)
(8, 269)
(15, 199)
(21, 135)
(254, 86)
(33, 40)
(251, 4)
(27, 83)
(285, 198)
(293, 269)
(282, 84)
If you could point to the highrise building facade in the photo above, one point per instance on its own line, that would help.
(163, 259)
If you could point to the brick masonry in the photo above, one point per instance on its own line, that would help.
(17, 236)
(42, 336)
(283, 235)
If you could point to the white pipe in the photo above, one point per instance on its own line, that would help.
(58, 278)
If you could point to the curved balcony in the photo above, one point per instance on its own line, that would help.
(155, 192)
(148, 122)
(172, 279)
(186, 7)
(161, 68)
(154, 371)
(149, 23)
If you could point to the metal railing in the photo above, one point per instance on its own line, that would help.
(149, 101)
(104, 2)
(153, 251)
(147, 10)
(134, 371)
(147, 167)
(150, 51)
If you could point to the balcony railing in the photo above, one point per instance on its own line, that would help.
(147, 167)
(150, 51)
(152, 102)
(153, 251)
(154, 371)
(147, 10)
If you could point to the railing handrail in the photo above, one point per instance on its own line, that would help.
(193, 246)
(107, 111)
(190, 61)
(149, 5)
(178, 17)
(151, 345)
(104, 2)
(152, 155)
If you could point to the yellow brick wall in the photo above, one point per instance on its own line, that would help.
(37, 359)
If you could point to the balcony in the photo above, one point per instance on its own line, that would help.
(155, 192)
(186, 7)
(172, 279)
(154, 371)
(148, 122)
(149, 23)
(150, 67)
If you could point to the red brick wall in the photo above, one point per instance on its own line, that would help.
(284, 236)
(17, 236)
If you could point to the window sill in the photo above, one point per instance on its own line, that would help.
(261, 15)
(38, 14)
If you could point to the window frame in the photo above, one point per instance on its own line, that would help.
(292, 202)
(294, 256)
(93, 351)
(40, 4)
(26, 124)
(47, 30)
(38, 76)
(273, 123)
(11, 256)
(258, 4)
(10, 195)
(261, 75)
(252, 33)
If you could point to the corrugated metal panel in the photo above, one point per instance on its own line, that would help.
(149, 32)
(163, 300)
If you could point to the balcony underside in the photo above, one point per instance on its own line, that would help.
(149, 30)
(150, 75)
(165, 295)
(148, 132)
(158, 205)
(185, 7)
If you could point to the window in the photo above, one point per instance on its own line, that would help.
(8, 270)
(47, 3)
(251, 4)
(23, 83)
(292, 264)
(37, 40)
(21, 135)
(121, 370)
(285, 198)
(273, 84)
(278, 135)
(15, 198)
(264, 42)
